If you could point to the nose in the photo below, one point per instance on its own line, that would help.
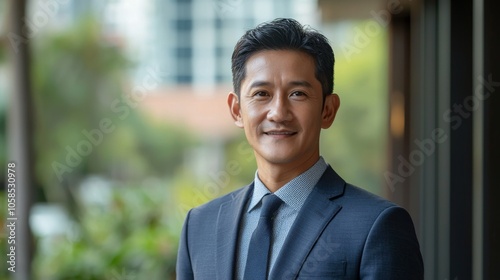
(279, 109)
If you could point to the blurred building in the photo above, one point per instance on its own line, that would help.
(191, 40)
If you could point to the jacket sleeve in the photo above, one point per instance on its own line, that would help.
(183, 269)
(391, 250)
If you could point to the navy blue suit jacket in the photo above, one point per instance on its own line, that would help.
(341, 232)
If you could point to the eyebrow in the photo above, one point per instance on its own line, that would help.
(301, 83)
(293, 83)
(259, 84)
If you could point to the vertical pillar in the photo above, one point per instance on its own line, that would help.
(19, 131)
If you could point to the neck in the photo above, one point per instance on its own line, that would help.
(276, 175)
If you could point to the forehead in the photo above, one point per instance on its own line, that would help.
(280, 66)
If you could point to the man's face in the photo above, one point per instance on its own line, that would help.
(281, 107)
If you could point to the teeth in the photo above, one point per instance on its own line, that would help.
(280, 133)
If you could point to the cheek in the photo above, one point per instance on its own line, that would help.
(311, 117)
(250, 125)
(254, 116)
(254, 109)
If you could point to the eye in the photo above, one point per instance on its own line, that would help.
(298, 94)
(260, 94)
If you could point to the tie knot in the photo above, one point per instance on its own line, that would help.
(270, 203)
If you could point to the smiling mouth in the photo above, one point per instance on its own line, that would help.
(280, 133)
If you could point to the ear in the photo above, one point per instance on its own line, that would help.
(234, 109)
(330, 108)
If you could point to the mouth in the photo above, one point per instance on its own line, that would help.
(280, 133)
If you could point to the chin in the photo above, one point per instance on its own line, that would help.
(278, 158)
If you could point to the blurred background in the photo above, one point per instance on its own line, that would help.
(115, 115)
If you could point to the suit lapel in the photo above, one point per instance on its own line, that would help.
(227, 232)
(316, 213)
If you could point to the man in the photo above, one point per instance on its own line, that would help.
(298, 219)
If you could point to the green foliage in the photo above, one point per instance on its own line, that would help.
(2, 51)
(241, 153)
(80, 90)
(76, 76)
(131, 237)
(356, 143)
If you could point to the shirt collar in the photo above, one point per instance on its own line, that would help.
(293, 193)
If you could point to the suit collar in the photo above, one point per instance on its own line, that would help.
(318, 210)
(331, 184)
(228, 221)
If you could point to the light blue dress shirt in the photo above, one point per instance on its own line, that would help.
(293, 194)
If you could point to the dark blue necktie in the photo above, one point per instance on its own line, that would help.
(260, 243)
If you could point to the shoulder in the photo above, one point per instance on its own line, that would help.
(364, 198)
(331, 185)
(363, 205)
(355, 202)
(358, 198)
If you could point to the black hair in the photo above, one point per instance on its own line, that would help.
(284, 34)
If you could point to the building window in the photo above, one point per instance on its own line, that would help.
(184, 24)
(183, 52)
